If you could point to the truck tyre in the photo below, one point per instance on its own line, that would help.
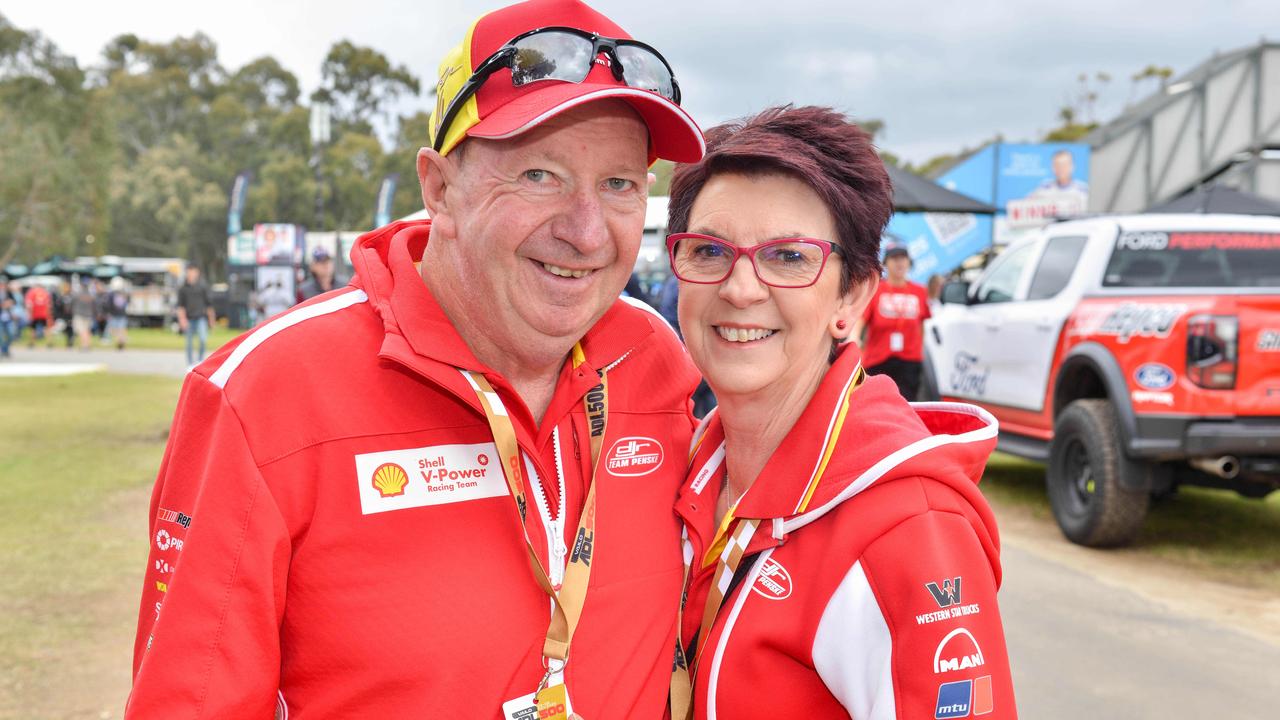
(1086, 464)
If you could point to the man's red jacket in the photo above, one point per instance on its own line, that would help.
(330, 536)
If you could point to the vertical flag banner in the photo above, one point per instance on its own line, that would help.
(387, 191)
(239, 189)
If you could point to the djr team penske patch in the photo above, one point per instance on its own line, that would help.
(437, 475)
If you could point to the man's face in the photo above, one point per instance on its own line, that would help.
(543, 229)
(193, 274)
(897, 267)
(322, 268)
(1063, 168)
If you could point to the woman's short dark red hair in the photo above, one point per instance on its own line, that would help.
(816, 145)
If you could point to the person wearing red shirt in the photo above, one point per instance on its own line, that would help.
(894, 324)
(39, 303)
(445, 490)
(840, 560)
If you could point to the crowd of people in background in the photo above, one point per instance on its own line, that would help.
(80, 309)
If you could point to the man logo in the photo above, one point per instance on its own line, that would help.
(633, 457)
(946, 595)
(963, 654)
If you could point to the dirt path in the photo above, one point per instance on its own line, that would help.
(1252, 611)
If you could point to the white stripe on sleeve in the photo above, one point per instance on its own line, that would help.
(853, 651)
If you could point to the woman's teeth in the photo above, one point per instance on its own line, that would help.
(743, 334)
(565, 272)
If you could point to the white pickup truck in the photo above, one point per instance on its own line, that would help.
(1131, 354)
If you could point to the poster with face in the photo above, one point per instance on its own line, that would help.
(276, 243)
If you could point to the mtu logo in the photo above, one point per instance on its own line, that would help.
(964, 698)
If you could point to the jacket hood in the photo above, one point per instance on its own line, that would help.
(857, 432)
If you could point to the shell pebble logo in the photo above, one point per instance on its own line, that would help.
(389, 480)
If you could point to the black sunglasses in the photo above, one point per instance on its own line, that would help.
(566, 54)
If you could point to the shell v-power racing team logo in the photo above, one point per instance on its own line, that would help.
(433, 475)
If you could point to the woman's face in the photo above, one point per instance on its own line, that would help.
(746, 336)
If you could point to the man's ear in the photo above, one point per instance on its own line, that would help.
(435, 174)
(851, 306)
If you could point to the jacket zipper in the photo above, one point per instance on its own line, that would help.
(554, 526)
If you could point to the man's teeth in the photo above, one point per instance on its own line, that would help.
(565, 272)
(743, 334)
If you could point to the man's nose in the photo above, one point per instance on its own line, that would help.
(581, 223)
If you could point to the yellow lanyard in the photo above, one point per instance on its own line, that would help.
(571, 598)
(731, 547)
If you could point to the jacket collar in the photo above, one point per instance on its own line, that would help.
(420, 336)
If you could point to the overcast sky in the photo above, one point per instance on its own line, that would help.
(941, 75)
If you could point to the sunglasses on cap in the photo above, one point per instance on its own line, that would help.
(567, 54)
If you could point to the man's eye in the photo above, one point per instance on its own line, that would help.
(619, 184)
(535, 175)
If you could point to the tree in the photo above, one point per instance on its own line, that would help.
(360, 83)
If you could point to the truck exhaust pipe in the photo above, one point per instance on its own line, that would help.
(1226, 467)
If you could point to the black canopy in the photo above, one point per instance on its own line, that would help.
(912, 193)
(1215, 198)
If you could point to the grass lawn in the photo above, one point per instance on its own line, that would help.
(163, 339)
(1213, 531)
(78, 456)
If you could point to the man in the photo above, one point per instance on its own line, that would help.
(1070, 196)
(195, 313)
(361, 550)
(321, 280)
(894, 324)
(84, 305)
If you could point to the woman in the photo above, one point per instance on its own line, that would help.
(841, 561)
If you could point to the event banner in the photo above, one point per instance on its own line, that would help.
(1030, 185)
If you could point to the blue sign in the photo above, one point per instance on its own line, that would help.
(953, 700)
(939, 242)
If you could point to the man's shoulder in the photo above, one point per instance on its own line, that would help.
(320, 335)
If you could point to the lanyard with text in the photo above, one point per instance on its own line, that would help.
(571, 597)
(732, 547)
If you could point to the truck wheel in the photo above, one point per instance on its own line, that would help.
(1086, 463)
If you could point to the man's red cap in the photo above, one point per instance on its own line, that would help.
(500, 110)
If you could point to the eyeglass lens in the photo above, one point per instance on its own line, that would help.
(553, 55)
(783, 264)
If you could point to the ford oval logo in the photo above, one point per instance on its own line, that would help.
(1154, 376)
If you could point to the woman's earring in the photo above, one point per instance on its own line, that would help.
(841, 324)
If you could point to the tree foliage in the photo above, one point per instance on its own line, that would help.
(140, 150)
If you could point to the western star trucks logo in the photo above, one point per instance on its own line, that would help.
(1132, 320)
(633, 456)
(436, 475)
(947, 595)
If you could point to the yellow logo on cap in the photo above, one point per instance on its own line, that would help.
(389, 480)
(455, 70)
